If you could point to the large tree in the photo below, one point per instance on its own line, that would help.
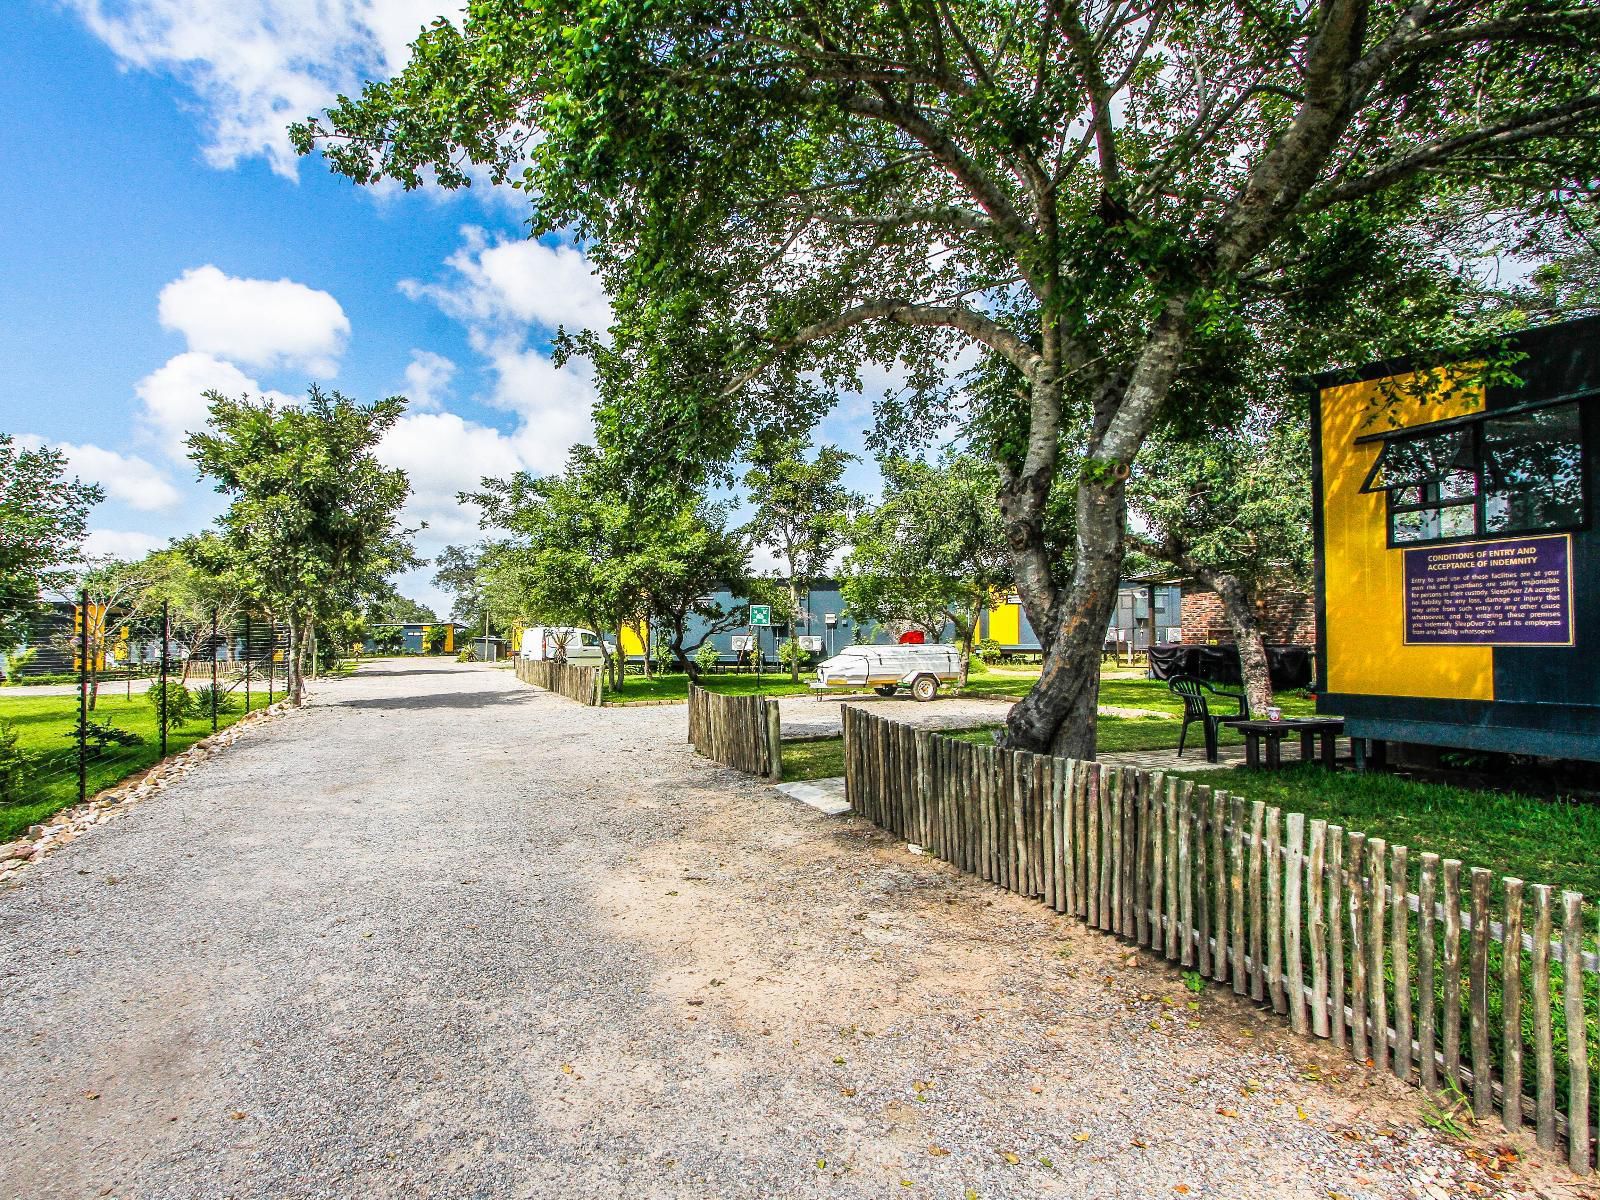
(932, 552)
(43, 514)
(802, 514)
(690, 554)
(312, 527)
(1092, 192)
(576, 546)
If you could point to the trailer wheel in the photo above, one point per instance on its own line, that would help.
(886, 690)
(924, 688)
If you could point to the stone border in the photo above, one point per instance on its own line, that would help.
(70, 823)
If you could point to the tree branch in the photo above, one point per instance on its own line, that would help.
(974, 324)
(1522, 128)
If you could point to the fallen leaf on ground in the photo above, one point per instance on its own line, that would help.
(938, 1151)
(236, 1116)
(1081, 1136)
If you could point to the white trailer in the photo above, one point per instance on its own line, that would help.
(886, 669)
(576, 645)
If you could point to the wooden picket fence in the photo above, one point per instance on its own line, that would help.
(575, 683)
(1336, 934)
(742, 732)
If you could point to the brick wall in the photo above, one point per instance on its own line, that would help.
(1286, 615)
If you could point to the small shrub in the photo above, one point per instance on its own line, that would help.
(173, 699)
(200, 704)
(706, 656)
(465, 655)
(987, 651)
(17, 663)
(792, 654)
(103, 734)
(661, 657)
(15, 764)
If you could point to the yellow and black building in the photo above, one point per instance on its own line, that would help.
(1458, 564)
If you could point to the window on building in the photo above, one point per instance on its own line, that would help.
(1519, 473)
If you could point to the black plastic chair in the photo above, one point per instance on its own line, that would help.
(1192, 692)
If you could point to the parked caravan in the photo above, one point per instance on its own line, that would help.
(576, 645)
(887, 669)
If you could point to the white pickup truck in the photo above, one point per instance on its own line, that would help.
(886, 669)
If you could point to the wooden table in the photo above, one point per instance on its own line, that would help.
(1310, 730)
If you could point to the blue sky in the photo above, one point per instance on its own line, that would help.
(159, 239)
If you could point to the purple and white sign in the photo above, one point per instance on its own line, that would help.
(1512, 592)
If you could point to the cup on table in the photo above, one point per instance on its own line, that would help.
(1274, 713)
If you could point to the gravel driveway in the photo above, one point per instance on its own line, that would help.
(442, 935)
(809, 716)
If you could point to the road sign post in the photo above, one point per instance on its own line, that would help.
(760, 618)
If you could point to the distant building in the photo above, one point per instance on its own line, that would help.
(1144, 610)
(411, 637)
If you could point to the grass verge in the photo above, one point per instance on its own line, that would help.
(44, 726)
(676, 687)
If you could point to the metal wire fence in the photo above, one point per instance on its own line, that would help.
(94, 696)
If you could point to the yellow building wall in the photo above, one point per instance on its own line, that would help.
(1005, 624)
(1363, 579)
(633, 638)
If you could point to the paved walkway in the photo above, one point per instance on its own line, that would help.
(442, 935)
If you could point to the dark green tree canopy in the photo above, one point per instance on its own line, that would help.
(1097, 194)
(312, 527)
(43, 515)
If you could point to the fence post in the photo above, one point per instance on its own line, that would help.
(83, 696)
(774, 741)
(166, 637)
(213, 668)
(247, 662)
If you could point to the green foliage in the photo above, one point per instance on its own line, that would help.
(17, 663)
(15, 765)
(43, 518)
(434, 638)
(102, 735)
(988, 650)
(1122, 211)
(660, 655)
(707, 656)
(792, 654)
(312, 525)
(457, 570)
(200, 702)
(172, 701)
(932, 552)
(465, 655)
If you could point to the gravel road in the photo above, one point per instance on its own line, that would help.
(442, 935)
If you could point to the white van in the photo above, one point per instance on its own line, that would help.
(886, 669)
(549, 642)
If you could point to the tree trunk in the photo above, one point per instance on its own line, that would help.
(294, 684)
(1058, 715)
(794, 624)
(1238, 604)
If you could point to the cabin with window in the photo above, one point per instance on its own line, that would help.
(1458, 567)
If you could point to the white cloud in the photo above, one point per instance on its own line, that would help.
(517, 282)
(257, 65)
(173, 397)
(127, 479)
(259, 322)
(428, 377)
(443, 454)
(120, 543)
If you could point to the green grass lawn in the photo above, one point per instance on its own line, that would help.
(1540, 841)
(44, 727)
(676, 687)
(1118, 687)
